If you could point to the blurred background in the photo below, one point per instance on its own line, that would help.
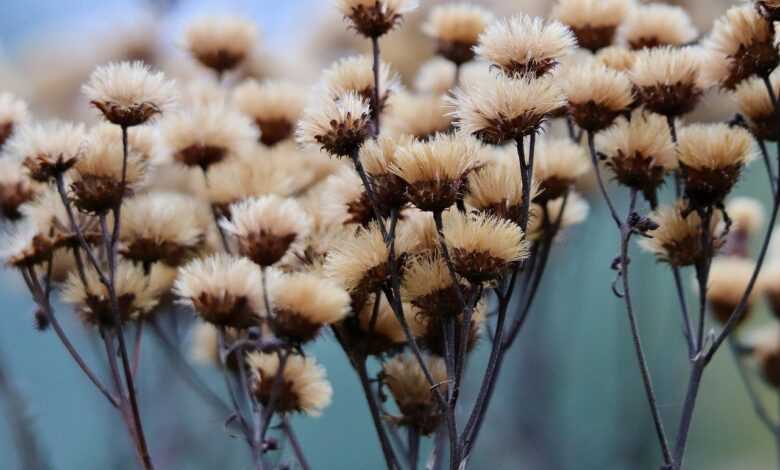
(570, 397)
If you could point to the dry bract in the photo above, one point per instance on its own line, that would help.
(304, 387)
(129, 93)
(428, 285)
(338, 127)
(525, 46)
(220, 43)
(25, 247)
(728, 282)
(413, 393)
(275, 107)
(594, 22)
(756, 105)
(597, 95)
(498, 110)
(457, 28)
(375, 18)
(678, 240)
(48, 149)
(669, 80)
(378, 157)
(656, 24)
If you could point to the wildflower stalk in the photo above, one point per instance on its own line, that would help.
(375, 99)
(414, 447)
(295, 444)
(758, 406)
(359, 364)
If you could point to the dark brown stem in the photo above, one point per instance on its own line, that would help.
(687, 325)
(387, 449)
(375, 98)
(296, 445)
(597, 169)
(414, 447)
(369, 192)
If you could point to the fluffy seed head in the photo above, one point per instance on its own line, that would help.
(657, 24)
(375, 18)
(677, 240)
(617, 58)
(303, 303)
(47, 213)
(384, 335)
(129, 93)
(597, 95)
(355, 75)
(770, 279)
(640, 152)
(742, 44)
(304, 387)
(412, 392)
(378, 157)
(669, 80)
(420, 116)
(206, 135)
(526, 46)
(223, 290)
(16, 189)
(498, 110)
(593, 22)
(428, 285)
(436, 171)
(344, 200)
(497, 188)
(457, 28)
(558, 165)
(220, 43)
(13, 113)
(482, 245)
(711, 158)
(267, 227)
(728, 281)
(48, 149)
(338, 127)
(275, 107)
(436, 77)
(25, 247)
(756, 105)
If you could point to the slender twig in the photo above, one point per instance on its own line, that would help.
(387, 449)
(375, 98)
(758, 405)
(687, 325)
(139, 330)
(597, 168)
(296, 445)
(413, 437)
(224, 355)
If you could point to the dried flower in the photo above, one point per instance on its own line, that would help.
(412, 392)
(345, 201)
(163, 227)
(593, 22)
(275, 107)
(769, 9)
(742, 44)
(678, 240)
(669, 80)
(575, 211)
(267, 227)
(206, 135)
(16, 188)
(727, 283)
(428, 285)
(25, 247)
(435, 77)
(376, 335)
(640, 152)
(303, 387)
(419, 116)
(129, 93)
(337, 126)
(47, 213)
(558, 165)
(457, 28)
(711, 159)
(525, 46)
(220, 43)
(429, 330)
(378, 157)
(223, 290)
(498, 110)
(48, 149)
(356, 75)
(483, 246)
(13, 113)
(756, 105)
(497, 188)
(657, 24)
(436, 172)
(375, 18)
(303, 303)
(747, 215)
(597, 95)
(617, 58)
(136, 295)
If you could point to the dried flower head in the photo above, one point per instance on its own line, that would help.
(742, 44)
(303, 387)
(746, 213)
(220, 43)
(756, 105)
(429, 287)
(49, 149)
(436, 172)
(24, 246)
(482, 246)
(419, 116)
(436, 77)
(223, 290)
(711, 159)
(617, 58)
(339, 126)
(498, 110)
(47, 213)
(593, 22)
(375, 18)
(678, 240)
(355, 74)
(412, 392)
(669, 81)
(129, 93)
(429, 330)
(267, 227)
(13, 113)
(497, 188)
(275, 107)
(769, 9)
(728, 281)
(457, 28)
(136, 295)
(380, 334)
(378, 157)
(525, 46)
(640, 152)
(102, 176)
(558, 165)
(597, 95)
(16, 189)
(657, 24)
(565, 211)
(163, 227)
(344, 199)
(206, 135)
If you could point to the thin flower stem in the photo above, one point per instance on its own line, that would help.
(257, 440)
(457, 75)
(673, 132)
(687, 325)
(413, 436)
(139, 331)
(767, 163)
(758, 406)
(597, 169)
(387, 449)
(703, 274)
(369, 192)
(215, 216)
(375, 98)
(224, 355)
(296, 445)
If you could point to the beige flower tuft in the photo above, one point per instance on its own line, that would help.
(338, 127)
(16, 189)
(420, 116)
(559, 163)
(756, 105)
(669, 80)
(428, 285)
(657, 24)
(275, 107)
(375, 18)
(13, 113)
(355, 74)
(48, 149)
(747, 215)
(593, 22)
(220, 43)
(497, 188)
(304, 387)
(575, 211)
(618, 58)
(677, 240)
(728, 281)
(597, 95)
(378, 157)
(457, 28)
(412, 391)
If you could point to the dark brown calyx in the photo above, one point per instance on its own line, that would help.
(285, 399)
(345, 138)
(373, 21)
(6, 129)
(552, 188)
(127, 116)
(273, 131)
(592, 116)
(43, 169)
(477, 266)
(265, 248)
(532, 69)
(294, 327)
(202, 156)
(12, 196)
(456, 52)
(757, 59)
(149, 251)
(220, 60)
(443, 302)
(435, 195)
(226, 311)
(638, 172)
(709, 186)
(594, 38)
(504, 129)
(97, 310)
(671, 100)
